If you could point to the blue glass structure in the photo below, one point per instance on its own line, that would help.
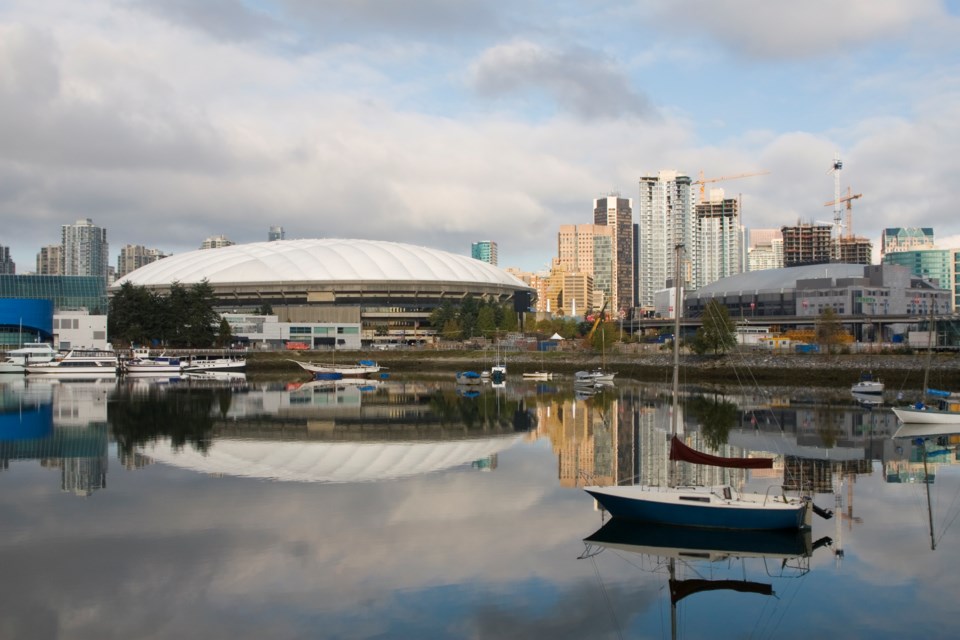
(24, 321)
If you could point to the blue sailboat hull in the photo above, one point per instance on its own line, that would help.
(702, 514)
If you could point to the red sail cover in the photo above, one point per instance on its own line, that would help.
(680, 589)
(680, 451)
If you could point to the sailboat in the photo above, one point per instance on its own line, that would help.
(719, 507)
(946, 407)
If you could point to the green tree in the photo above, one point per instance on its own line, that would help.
(486, 321)
(265, 309)
(225, 334)
(717, 333)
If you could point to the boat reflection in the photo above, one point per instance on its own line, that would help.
(697, 560)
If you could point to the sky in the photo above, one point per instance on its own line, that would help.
(440, 123)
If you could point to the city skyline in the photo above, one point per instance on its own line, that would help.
(167, 123)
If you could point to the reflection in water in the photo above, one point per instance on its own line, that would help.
(62, 425)
(428, 556)
(696, 560)
(332, 431)
(391, 428)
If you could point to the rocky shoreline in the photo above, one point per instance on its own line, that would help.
(899, 371)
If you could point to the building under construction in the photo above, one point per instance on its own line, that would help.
(807, 244)
(855, 250)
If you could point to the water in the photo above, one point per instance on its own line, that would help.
(408, 509)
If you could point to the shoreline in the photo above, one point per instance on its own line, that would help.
(898, 371)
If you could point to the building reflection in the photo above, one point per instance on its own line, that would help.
(327, 431)
(62, 426)
(818, 441)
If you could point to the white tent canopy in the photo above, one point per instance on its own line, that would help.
(556, 336)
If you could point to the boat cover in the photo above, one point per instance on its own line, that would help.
(680, 451)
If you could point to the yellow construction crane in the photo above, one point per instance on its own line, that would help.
(848, 199)
(596, 323)
(703, 181)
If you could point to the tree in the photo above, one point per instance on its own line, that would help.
(717, 333)
(829, 332)
(225, 335)
(265, 309)
(486, 321)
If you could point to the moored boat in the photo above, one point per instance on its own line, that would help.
(197, 364)
(359, 369)
(718, 507)
(160, 365)
(35, 353)
(594, 376)
(80, 363)
(867, 385)
(469, 378)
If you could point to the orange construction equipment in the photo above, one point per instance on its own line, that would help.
(849, 198)
(702, 181)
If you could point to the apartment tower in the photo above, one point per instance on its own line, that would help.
(719, 238)
(85, 249)
(666, 217)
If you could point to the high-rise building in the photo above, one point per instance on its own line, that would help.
(617, 213)
(85, 249)
(807, 244)
(719, 237)
(666, 217)
(896, 239)
(931, 264)
(50, 260)
(855, 250)
(485, 251)
(7, 266)
(766, 256)
(132, 257)
(215, 242)
(276, 233)
(589, 249)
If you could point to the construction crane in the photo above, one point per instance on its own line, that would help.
(703, 181)
(848, 199)
(596, 323)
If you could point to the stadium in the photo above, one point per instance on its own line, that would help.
(389, 288)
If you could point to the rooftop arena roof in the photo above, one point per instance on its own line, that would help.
(327, 260)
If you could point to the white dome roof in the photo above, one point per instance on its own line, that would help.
(318, 260)
(299, 461)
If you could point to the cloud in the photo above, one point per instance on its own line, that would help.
(231, 20)
(818, 28)
(580, 81)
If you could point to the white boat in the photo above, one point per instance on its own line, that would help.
(866, 385)
(537, 375)
(79, 363)
(35, 353)
(945, 409)
(214, 364)
(360, 369)
(594, 376)
(717, 507)
(159, 365)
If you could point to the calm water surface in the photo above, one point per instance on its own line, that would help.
(409, 509)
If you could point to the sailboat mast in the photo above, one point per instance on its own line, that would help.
(677, 311)
(926, 481)
(931, 337)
